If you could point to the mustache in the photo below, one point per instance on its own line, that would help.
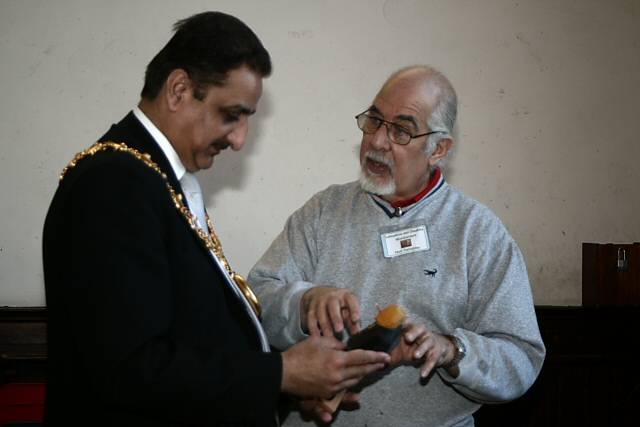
(380, 158)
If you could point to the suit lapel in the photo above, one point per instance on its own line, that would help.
(130, 131)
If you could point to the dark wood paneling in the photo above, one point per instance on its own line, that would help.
(590, 377)
(23, 344)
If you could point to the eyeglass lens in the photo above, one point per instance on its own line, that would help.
(395, 133)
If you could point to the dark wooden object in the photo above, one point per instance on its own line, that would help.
(610, 274)
(591, 376)
(23, 356)
(23, 344)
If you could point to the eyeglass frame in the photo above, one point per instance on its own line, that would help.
(388, 125)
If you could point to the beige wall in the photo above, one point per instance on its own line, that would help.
(548, 126)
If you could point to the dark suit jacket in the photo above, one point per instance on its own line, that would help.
(143, 329)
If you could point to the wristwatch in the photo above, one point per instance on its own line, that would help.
(459, 351)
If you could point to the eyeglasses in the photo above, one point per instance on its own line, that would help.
(396, 133)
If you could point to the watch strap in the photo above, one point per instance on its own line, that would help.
(459, 351)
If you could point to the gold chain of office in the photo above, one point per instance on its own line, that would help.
(211, 240)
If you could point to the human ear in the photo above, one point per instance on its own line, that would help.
(442, 148)
(177, 87)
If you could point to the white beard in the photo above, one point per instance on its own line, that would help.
(368, 181)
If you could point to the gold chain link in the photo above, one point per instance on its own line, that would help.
(211, 240)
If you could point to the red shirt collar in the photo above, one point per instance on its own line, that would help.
(433, 181)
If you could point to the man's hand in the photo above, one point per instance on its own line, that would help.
(419, 345)
(325, 310)
(318, 367)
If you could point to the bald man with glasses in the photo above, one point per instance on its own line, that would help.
(402, 235)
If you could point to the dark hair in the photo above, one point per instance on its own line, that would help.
(207, 46)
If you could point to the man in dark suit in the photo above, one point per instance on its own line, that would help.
(148, 323)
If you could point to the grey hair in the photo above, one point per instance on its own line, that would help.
(443, 116)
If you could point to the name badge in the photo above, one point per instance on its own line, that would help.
(405, 241)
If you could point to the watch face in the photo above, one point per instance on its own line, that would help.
(461, 350)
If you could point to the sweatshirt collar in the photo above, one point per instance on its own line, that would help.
(433, 182)
(397, 209)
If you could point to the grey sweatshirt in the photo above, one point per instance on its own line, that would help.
(469, 279)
